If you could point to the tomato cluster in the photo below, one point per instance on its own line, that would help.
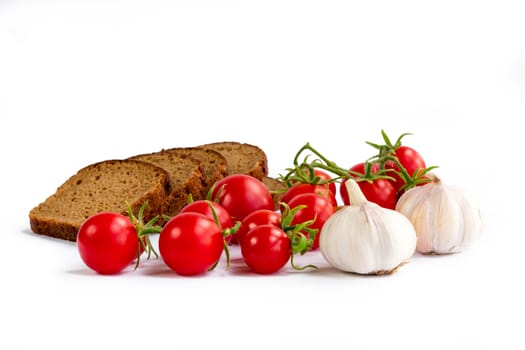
(193, 241)
(382, 178)
(241, 211)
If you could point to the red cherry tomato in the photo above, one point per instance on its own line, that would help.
(410, 159)
(265, 249)
(360, 168)
(317, 207)
(325, 176)
(190, 243)
(301, 188)
(258, 218)
(203, 207)
(107, 242)
(242, 194)
(379, 191)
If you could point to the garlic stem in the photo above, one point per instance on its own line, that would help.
(354, 193)
(434, 178)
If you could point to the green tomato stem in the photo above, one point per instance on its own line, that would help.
(300, 268)
(143, 230)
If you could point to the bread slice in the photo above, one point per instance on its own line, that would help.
(276, 188)
(185, 174)
(242, 158)
(214, 166)
(103, 186)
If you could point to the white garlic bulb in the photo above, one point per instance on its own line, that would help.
(365, 238)
(446, 219)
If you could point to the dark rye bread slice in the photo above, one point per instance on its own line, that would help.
(242, 158)
(276, 188)
(214, 166)
(185, 174)
(103, 186)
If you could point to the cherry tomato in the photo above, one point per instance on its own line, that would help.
(317, 207)
(301, 188)
(410, 159)
(107, 242)
(190, 243)
(242, 194)
(265, 249)
(257, 218)
(360, 168)
(325, 176)
(379, 191)
(203, 207)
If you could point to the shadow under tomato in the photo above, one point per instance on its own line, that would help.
(88, 272)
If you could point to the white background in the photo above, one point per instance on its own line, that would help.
(83, 81)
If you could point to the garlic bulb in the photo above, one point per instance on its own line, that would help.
(365, 238)
(446, 219)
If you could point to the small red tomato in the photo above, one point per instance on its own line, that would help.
(265, 249)
(107, 242)
(301, 188)
(190, 243)
(325, 176)
(410, 159)
(257, 218)
(379, 191)
(358, 168)
(203, 207)
(242, 194)
(317, 207)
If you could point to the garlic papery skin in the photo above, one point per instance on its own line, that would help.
(365, 238)
(446, 218)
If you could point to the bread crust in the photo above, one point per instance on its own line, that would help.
(214, 165)
(276, 188)
(45, 220)
(255, 162)
(192, 182)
